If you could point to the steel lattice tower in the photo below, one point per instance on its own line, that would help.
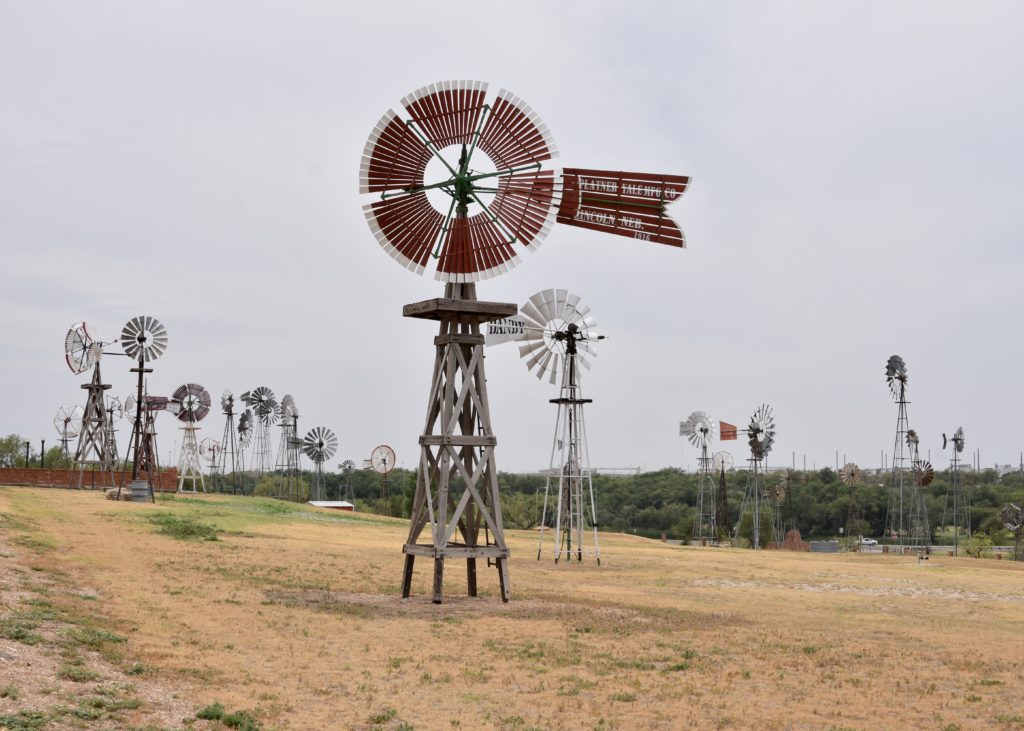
(229, 453)
(93, 445)
(958, 503)
(896, 374)
(761, 433)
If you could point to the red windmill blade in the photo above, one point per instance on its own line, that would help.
(497, 204)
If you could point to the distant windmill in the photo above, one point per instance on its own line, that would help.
(699, 429)
(761, 438)
(320, 445)
(958, 504)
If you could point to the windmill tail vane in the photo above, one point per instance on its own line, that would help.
(726, 431)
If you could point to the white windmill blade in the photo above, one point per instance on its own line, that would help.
(525, 350)
(536, 359)
(572, 302)
(555, 369)
(561, 304)
(546, 305)
(583, 360)
(531, 314)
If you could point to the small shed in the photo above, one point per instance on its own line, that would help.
(333, 505)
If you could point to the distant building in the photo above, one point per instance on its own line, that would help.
(333, 505)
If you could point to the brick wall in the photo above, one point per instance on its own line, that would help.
(36, 477)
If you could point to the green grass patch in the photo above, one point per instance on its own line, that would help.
(93, 638)
(77, 674)
(10, 691)
(24, 721)
(212, 712)
(18, 629)
(183, 528)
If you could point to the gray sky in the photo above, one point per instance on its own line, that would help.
(856, 193)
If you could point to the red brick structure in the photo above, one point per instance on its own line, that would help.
(37, 477)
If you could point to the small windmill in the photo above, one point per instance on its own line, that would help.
(699, 430)
(290, 445)
(347, 468)
(558, 335)
(229, 456)
(382, 461)
(761, 438)
(958, 502)
(850, 476)
(267, 412)
(777, 493)
(68, 423)
(246, 427)
(144, 339)
(1012, 516)
(210, 450)
(722, 462)
(319, 445)
(114, 414)
(194, 403)
(918, 530)
(82, 352)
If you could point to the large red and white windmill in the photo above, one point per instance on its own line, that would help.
(462, 187)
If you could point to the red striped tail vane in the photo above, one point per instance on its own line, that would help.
(726, 431)
(463, 186)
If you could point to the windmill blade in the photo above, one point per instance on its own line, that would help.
(78, 348)
(144, 338)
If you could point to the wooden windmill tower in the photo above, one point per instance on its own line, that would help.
(492, 199)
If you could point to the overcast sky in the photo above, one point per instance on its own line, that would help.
(856, 193)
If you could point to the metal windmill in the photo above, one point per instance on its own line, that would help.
(382, 461)
(722, 462)
(699, 430)
(918, 531)
(761, 437)
(850, 476)
(958, 503)
(319, 445)
(557, 336)
(194, 403)
(290, 446)
(490, 198)
(777, 493)
(144, 339)
(229, 457)
(1013, 518)
(82, 352)
(267, 412)
(114, 414)
(209, 450)
(68, 423)
(246, 427)
(347, 468)
(897, 377)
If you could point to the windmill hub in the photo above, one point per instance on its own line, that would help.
(462, 184)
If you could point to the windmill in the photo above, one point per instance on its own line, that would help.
(489, 198)
(267, 411)
(246, 422)
(761, 437)
(382, 461)
(144, 339)
(557, 335)
(347, 468)
(778, 493)
(290, 445)
(229, 455)
(699, 430)
(209, 450)
(82, 352)
(850, 476)
(194, 403)
(722, 462)
(1013, 518)
(918, 531)
(956, 495)
(68, 423)
(114, 413)
(896, 377)
(319, 445)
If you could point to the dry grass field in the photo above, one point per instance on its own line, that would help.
(293, 616)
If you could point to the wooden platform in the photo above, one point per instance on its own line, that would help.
(441, 308)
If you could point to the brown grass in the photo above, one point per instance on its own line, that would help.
(298, 620)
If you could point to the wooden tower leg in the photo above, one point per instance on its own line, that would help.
(457, 442)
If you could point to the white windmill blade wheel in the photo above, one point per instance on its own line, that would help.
(547, 305)
(530, 348)
(531, 314)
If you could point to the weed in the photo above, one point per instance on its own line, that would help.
(77, 674)
(809, 649)
(93, 638)
(183, 529)
(242, 720)
(136, 669)
(212, 712)
(9, 691)
(624, 697)
(19, 630)
(973, 698)
(24, 721)
(677, 667)
(384, 716)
